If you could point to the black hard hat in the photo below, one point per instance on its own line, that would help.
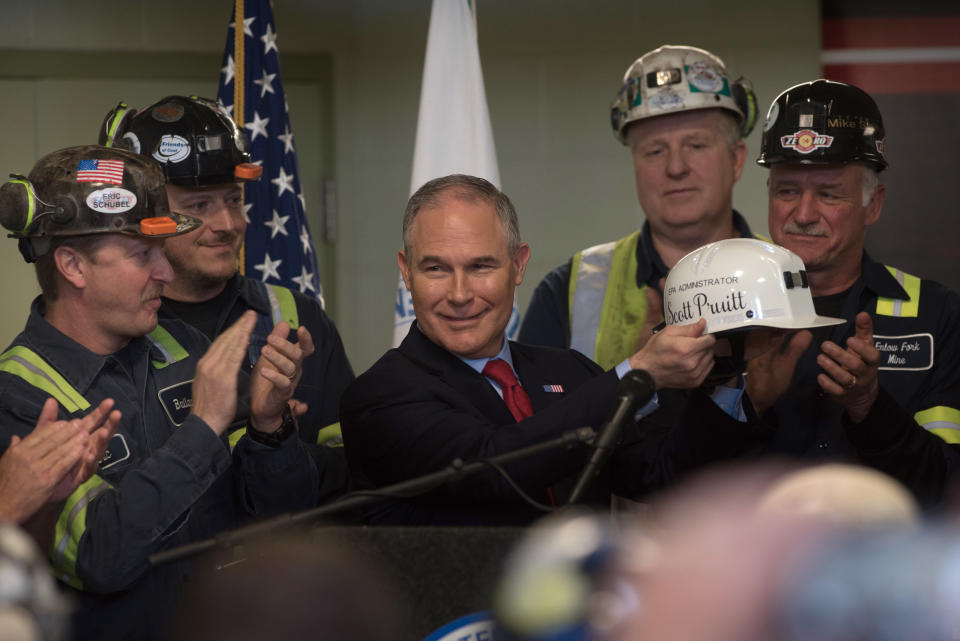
(823, 122)
(88, 190)
(194, 138)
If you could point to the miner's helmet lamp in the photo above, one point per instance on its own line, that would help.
(823, 122)
(88, 190)
(739, 284)
(673, 79)
(194, 139)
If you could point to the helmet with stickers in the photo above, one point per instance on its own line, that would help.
(823, 122)
(672, 79)
(194, 138)
(740, 284)
(88, 190)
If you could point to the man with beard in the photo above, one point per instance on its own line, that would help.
(204, 156)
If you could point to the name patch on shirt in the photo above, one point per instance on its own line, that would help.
(911, 352)
(117, 452)
(177, 401)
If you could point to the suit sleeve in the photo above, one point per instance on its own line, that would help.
(401, 422)
(547, 319)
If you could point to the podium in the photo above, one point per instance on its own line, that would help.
(442, 573)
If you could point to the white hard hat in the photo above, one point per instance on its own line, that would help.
(741, 283)
(679, 78)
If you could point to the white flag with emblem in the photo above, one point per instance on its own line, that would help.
(453, 130)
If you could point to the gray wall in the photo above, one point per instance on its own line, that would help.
(551, 70)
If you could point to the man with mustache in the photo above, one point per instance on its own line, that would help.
(204, 155)
(94, 221)
(883, 389)
(684, 118)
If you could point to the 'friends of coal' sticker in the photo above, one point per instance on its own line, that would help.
(172, 148)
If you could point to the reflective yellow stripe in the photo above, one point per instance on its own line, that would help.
(899, 307)
(941, 420)
(112, 127)
(172, 350)
(574, 270)
(330, 436)
(234, 437)
(70, 527)
(31, 203)
(606, 306)
(283, 306)
(23, 362)
(624, 306)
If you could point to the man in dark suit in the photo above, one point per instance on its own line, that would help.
(443, 395)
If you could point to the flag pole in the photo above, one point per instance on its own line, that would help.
(239, 80)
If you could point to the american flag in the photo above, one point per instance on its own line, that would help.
(100, 171)
(555, 389)
(278, 246)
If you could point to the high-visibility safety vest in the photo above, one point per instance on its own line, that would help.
(607, 308)
(71, 524)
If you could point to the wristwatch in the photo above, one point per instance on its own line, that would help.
(282, 433)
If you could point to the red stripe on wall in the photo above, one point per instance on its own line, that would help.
(863, 33)
(931, 77)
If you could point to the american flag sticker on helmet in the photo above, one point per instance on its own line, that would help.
(100, 171)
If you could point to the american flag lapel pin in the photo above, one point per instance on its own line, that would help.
(553, 389)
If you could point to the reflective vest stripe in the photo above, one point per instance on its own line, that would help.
(168, 346)
(330, 436)
(283, 306)
(941, 420)
(23, 362)
(607, 309)
(71, 523)
(70, 527)
(234, 437)
(899, 307)
(586, 296)
(31, 203)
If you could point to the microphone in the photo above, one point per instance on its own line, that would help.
(635, 389)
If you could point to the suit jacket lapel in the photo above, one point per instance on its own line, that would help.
(532, 378)
(456, 374)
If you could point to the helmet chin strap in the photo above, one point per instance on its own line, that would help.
(726, 367)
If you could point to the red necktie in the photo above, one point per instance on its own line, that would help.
(514, 396)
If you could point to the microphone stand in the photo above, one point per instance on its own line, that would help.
(455, 471)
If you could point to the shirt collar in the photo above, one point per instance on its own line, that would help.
(879, 280)
(251, 293)
(75, 362)
(479, 363)
(650, 266)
